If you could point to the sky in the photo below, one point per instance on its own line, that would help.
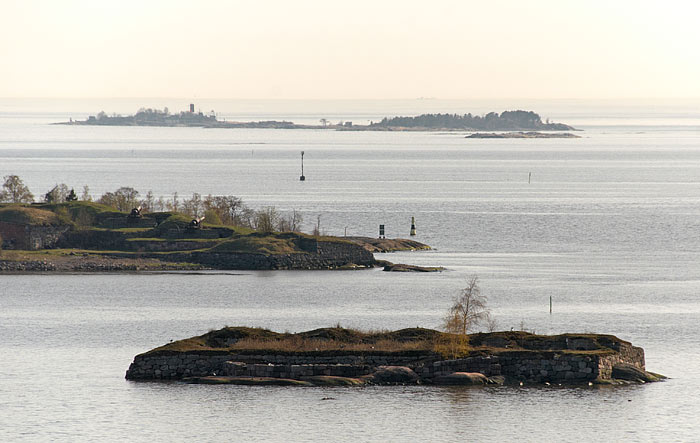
(299, 49)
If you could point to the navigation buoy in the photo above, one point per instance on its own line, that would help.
(302, 178)
(413, 226)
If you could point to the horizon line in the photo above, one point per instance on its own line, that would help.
(347, 99)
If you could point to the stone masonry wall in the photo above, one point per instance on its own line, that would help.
(535, 367)
(330, 255)
(29, 237)
(45, 237)
(12, 236)
(187, 364)
(345, 252)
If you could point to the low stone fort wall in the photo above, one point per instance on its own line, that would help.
(328, 255)
(530, 366)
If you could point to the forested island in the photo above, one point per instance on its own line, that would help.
(79, 236)
(505, 121)
(493, 121)
(122, 232)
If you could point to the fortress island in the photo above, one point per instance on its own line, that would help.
(346, 357)
(80, 236)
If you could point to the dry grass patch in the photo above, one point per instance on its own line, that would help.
(28, 216)
(295, 343)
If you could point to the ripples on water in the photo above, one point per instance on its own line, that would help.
(609, 228)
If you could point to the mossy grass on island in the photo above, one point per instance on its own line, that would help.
(238, 355)
(169, 237)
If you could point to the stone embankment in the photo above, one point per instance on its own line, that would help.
(322, 255)
(91, 263)
(538, 367)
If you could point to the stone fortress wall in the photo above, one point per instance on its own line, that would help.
(536, 366)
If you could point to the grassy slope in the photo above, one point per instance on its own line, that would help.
(28, 216)
(339, 340)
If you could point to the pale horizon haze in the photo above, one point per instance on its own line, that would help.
(350, 50)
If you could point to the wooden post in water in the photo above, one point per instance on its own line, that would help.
(550, 304)
(302, 178)
(529, 176)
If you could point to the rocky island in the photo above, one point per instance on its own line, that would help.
(522, 135)
(340, 356)
(83, 236)
(505, 121)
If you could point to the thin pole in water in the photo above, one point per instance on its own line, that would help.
(529, 176)
(550, 304)
(302, 178)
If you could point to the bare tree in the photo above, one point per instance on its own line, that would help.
(317, 228)
(468, 310)
(193, 206)
(295, 221)
(86, 194)
(57, 194)
(174, 204)
(266, 219)
(159, 204)
(291, 223)
(229, 208)
(148, 204)
(15, 191)
(123, 199)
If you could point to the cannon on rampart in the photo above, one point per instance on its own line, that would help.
(135, 213)
(195, 223)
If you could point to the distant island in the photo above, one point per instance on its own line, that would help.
(522, 135)
(493, 121)
(505, 121)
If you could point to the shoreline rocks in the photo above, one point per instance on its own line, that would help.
(399, 267)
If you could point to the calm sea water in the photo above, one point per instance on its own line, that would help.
(609, 227)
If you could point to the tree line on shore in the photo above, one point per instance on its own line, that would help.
(506, 120)
(219, 210)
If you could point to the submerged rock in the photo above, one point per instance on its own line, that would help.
(331, 380)
(626, 371)
(390, 375)
(399, 267)
(462, 378)
(264, 381)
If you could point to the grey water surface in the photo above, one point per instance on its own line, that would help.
(609, 227)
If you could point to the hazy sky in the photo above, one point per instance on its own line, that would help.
(350, 49)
